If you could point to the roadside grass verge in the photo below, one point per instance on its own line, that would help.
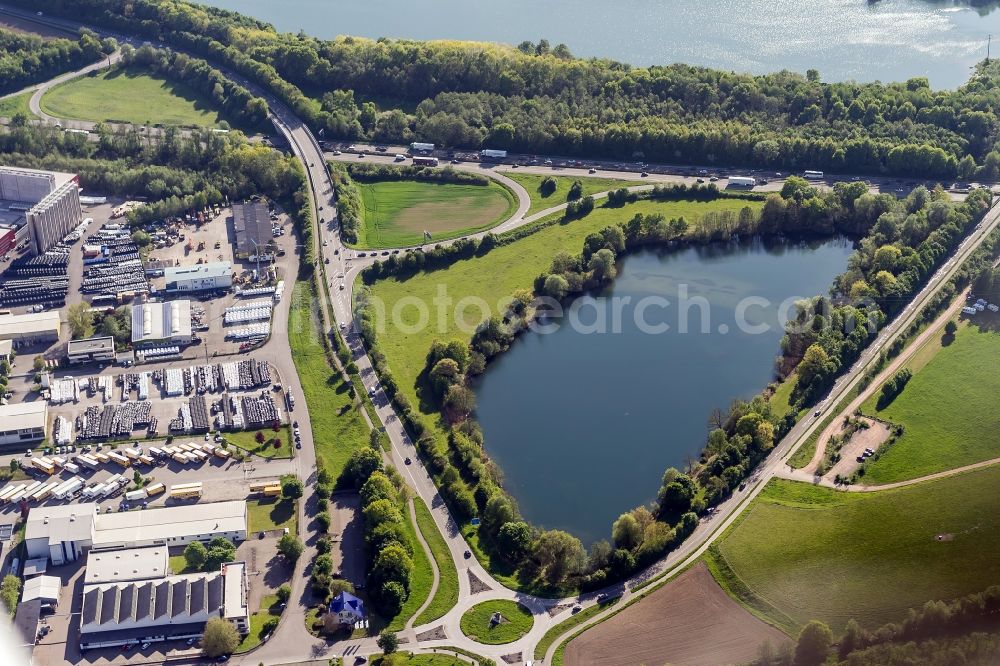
(11, 106)
(269, 608)
(247, 440)
(947, 409)
(516, 621)
(815, 553)
(421, 577)
(131, 96)
(591, 185)
(447, 593)
(780, 399)
(338, 427)
(272, 513)
(398, 212)
(506, 574)
(423, 659)
(566, 625)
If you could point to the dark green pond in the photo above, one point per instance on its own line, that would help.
(583, 423)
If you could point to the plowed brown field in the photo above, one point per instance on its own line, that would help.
(689, 621)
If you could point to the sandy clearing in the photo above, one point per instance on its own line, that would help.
(689, 621)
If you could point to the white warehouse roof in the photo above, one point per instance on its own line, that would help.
(61, 522)
(31, 323)
(161, 321)
(215, 269)
(128, 564)
(45, 588)
(175, 522)
(23, 415)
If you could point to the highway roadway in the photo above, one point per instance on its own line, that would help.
(291, 642)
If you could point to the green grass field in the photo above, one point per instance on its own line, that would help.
(948, 409)
(269, 608)
(247, 440)
(272, 513)
(398, 212)
(782, 395)
(516, 622)
(493, 278)
(447, 593)
(802, 552)
(410, 659)
(130, 96)
(421, 577)
(16, 104)
(338, 428)
(591, 185)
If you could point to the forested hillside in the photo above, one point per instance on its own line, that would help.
(26, 59)
(539, 99)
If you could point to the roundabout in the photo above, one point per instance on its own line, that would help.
(497, 622)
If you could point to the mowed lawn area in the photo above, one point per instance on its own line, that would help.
(127, 95)
(272, 513)
(338, 428)
(494, 277)
(539, 201)
(11, 106)
(397, 213)
(803, 552)
(948, 409)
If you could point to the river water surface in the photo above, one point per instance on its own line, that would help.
(583, 424)
(891, 40)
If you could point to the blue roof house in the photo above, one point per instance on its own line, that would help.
(347, 609)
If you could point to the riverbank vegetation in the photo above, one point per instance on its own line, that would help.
(540, 99)
(29, 59)
(804, 552)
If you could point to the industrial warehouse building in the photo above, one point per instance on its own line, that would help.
(122, 612)
(201, 277)
(252, 223)
(51, 199)
(64, 532)
(30, 328)
(22, 424)
(91, 350)
(162, 322)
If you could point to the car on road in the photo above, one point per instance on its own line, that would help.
(644, 174)
(817, 412)
(592, 171)
(407, 460)
(337, 152)
(145, 646)
(467, 554)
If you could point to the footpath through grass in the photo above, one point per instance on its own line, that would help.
(14, 105)
(804, 552)
(397, 213)
(539, 201)
(447, 593)
(515, 622)
(493, 278)
(130, 96)
(421, 577)
(338, 427)
(948, 409)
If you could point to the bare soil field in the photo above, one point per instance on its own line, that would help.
(689, 621)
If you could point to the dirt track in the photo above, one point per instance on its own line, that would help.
(689, 621)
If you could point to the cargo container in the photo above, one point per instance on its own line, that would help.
(56, 460)
(67, 489)
(18, 494)
(154, 489)
(109, 489)
(133, 454)
(222, 453)
(88, 461)
(119, 458)
(200, 455)
(146, 460)
(43, 493)
(185, 447)
(43, 465)
(95, 490)
(101, 457)
(185, 490)
(8, 491)
(155, 452)
(72, 468)
(136, 495)
(192, 457)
